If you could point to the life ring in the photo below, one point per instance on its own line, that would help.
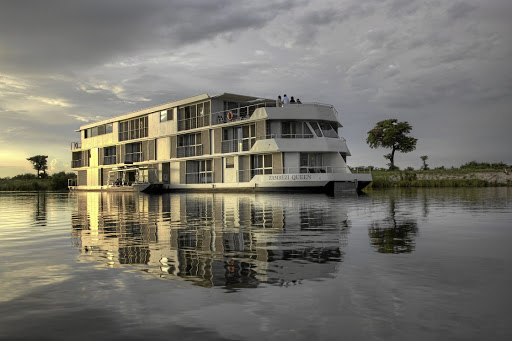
(230, 115)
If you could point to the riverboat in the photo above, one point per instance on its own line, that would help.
(224, 142)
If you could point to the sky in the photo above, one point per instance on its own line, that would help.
(443, 66)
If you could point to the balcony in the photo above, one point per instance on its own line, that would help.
(194, 122)
(238, 114)
(234, 146)
(76, 163)
(192, 150)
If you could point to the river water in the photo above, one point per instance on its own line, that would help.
(390, 265)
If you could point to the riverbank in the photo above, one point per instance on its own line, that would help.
(440, 178)
(28, 182)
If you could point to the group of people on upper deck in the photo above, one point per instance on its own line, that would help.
(280, 102)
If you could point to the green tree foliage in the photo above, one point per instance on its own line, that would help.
(40, 164)
(59, 181)
(26, 176)
(424, 158)
(393, 135)
(484, 166)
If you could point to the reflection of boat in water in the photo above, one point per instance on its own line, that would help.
(213, 239)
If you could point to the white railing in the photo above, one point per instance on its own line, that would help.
(234, 115)
(234, 146)
(76, 163)
(248, 174)
(109, 160)
(76, 145)
(199, 177)
(192, 150)
(193, 122)
(238, 114)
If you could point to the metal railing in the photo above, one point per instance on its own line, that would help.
(234, 115)
(192, 150)
(233, 146)
(199, 178)
(76, 145)
(247, 174)
(76, 163)
(109, 160)
(238, 114)
(194, 122)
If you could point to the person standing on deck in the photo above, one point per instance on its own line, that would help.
(286, 100)
(279, 102)
(292, 100)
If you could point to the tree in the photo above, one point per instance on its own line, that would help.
(392, 134)
(424, 158)
(40, 164)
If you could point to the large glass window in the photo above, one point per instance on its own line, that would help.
(295, 129)
(99, 130)
(239, 138)
(109, 155)
(328, 129)
(133, 129)
(133, 152)
(194, 116)
(316, 128)
(311, 163)
(199, 172)
(261, 164)
(189, 145)
(166, 115)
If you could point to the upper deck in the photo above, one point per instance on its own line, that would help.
(195, 114)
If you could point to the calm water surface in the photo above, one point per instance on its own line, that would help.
(392, 265)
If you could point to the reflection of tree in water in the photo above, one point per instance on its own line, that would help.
(40, 209)
(394, 234)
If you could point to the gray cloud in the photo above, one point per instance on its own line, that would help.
(58, 34)
(432, 63)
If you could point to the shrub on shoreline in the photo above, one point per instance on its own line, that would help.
(29, 182)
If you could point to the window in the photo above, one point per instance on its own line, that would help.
(311, 163)
(199, 172)
(109, 155)
(133, 129)
(133, 152)
(194, 116)
(166, 115)
(261, 164)
(328, 130)
(99, 130)
(230, 162)
(189, 145)
(295, 129)
(316, 128)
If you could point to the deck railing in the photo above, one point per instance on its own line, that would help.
(233, 115)
(248, 174)
(192, 150)
(234, 146)
(199, 177)
(76, 163)
(76, 145)
(193, 122)
(238, 114)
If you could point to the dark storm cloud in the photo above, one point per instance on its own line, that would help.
(56, 34)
